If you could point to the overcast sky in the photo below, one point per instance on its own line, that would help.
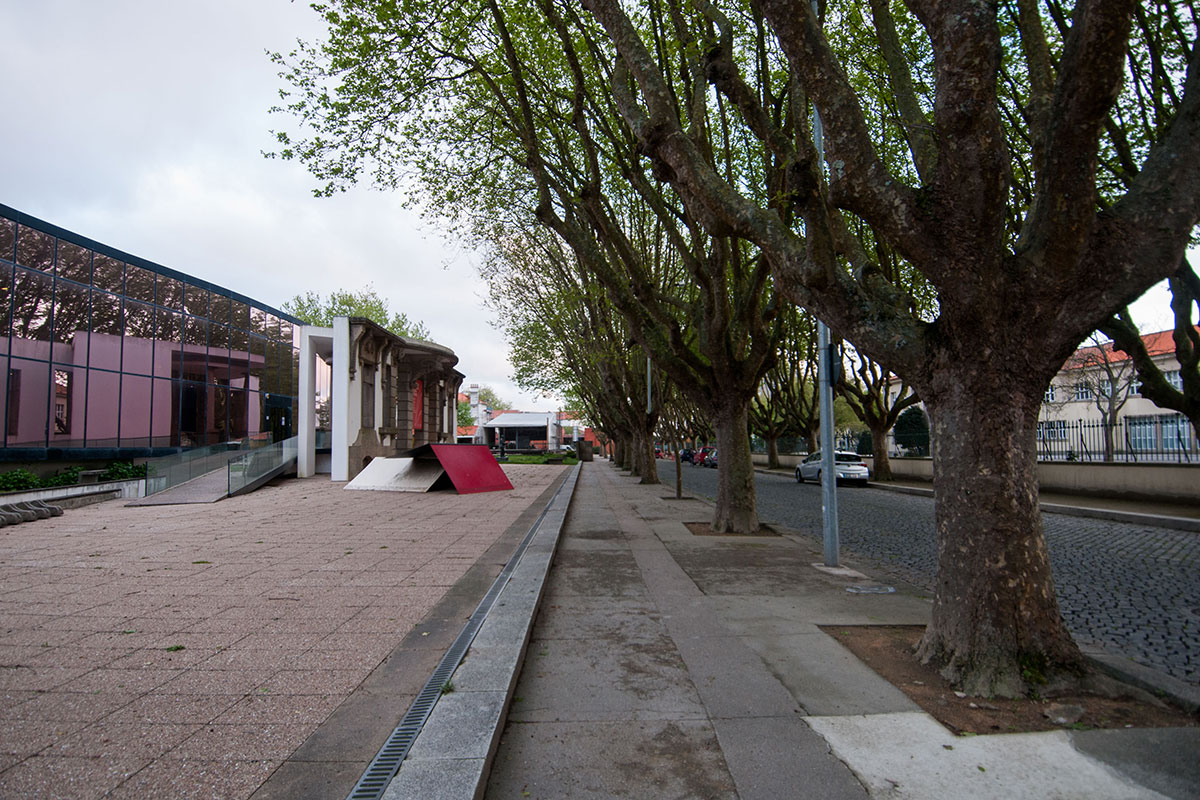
(140, 124)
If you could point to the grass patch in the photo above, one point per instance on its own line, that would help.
(541, 459)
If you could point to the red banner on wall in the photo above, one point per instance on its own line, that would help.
(419, 406)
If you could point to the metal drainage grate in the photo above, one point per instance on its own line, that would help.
(386, 764)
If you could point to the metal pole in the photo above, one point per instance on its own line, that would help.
(829, 508)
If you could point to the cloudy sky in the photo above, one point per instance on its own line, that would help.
(140, 123)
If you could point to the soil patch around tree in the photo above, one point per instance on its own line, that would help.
(890, 651)
(705, 529)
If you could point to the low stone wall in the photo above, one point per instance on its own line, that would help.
(80, 493)
(1173, 482)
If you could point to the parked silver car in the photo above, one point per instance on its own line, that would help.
(849, 466)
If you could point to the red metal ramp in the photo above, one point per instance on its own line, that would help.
(472, 467)
(469, 468)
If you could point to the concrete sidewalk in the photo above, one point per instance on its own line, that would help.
(665, 664)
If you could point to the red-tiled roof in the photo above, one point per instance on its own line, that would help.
(1160, 343)
(467, 430)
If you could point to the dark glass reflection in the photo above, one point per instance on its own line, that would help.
(241, 315)
(32, 303)
(8, 239)
(170, 293)
(74, 262)
(195, 301)
(139, 283)
(108, 274)
(5, 307)
(221, 309)
(70, 323)
(193, 405)
(104, 350)
(35, 249)
(138, 344)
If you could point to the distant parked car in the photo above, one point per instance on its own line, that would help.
(849, 466)
(686, 454)
(711, 459)
(701, 454)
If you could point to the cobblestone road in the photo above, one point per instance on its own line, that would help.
(1132, 589)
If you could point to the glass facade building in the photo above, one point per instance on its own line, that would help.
(108, 355)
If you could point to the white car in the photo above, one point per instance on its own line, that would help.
(848, 465)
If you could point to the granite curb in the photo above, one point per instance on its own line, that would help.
(452, 755)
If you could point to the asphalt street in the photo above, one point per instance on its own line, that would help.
(1132, 589)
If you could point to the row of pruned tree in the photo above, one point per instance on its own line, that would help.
(997, 181)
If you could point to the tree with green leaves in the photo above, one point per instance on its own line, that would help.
(488, 396)
(491, 114)
(993, 201)
(465, 417)
(313, 309)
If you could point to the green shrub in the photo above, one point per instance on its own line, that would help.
(68, 476)
(123, 471)
(18, 479)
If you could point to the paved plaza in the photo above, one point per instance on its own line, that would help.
(188, 651)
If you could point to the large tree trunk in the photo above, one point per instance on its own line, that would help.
(737, 508)
(883, 465)
(773, 452)
(996, 628)
(646, 463)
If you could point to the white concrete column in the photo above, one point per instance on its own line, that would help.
(306, 453)
(343, 414)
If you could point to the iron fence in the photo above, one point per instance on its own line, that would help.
(1151, 438)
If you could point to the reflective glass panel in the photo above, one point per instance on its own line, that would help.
(272, 331)
(164, 427)
(8, 238)
(139, 283)
(195, 332)
(258, 321)
(258, 350)
(218, 353)
(32, 303)
(193, 403)
(170, 293)
(241, 315)
(74, 262)
(108, 273)
(71, 322)
(106, 313)
(135, 411)
(220, 309)
(238, 426)
(103, 397)
(28, 402)
(67, 399)
(218, 421)
(139, 339)
(239, 356)
(5, 306)
(195, 301)
(35, 249)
